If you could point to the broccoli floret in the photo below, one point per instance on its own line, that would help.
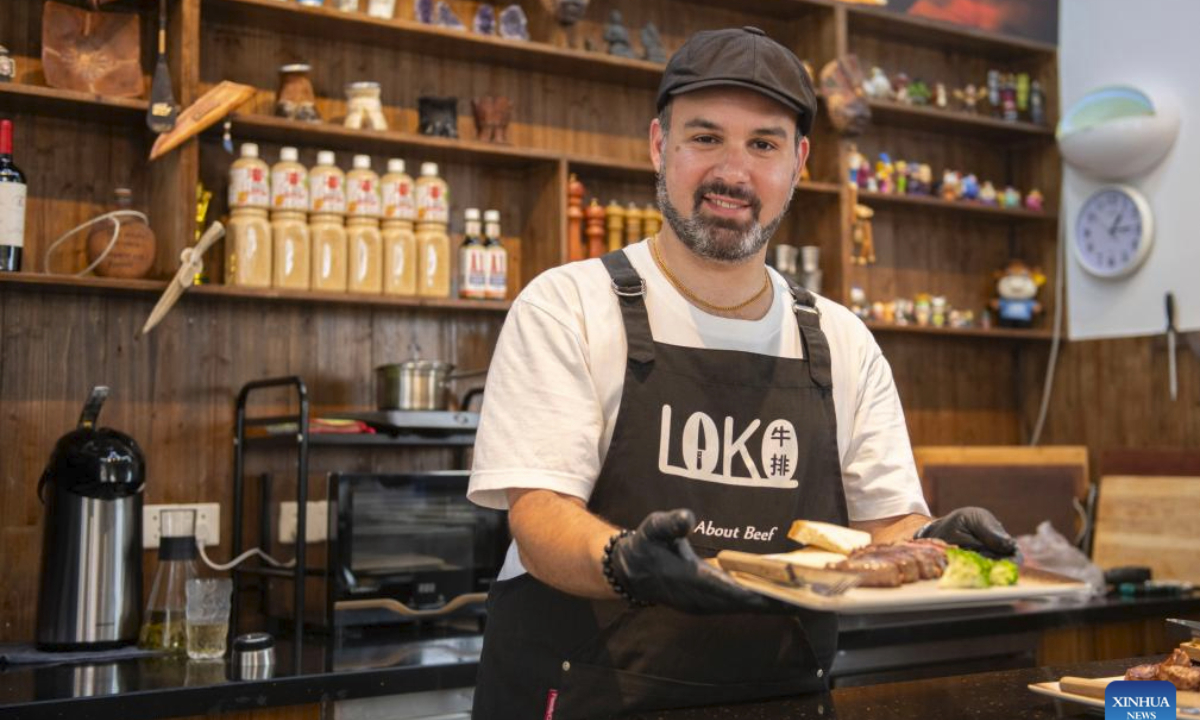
(1004, 572)
(965, 569)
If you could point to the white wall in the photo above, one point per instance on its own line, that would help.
(1150, 45)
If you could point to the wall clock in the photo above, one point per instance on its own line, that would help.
(1114, 231)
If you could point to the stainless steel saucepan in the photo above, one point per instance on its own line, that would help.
(419, 384)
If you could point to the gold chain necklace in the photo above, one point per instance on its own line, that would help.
(704, 305)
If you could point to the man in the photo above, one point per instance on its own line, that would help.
(682, 389)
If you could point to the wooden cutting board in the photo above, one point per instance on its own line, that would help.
(1090, 692)
(1149, 521)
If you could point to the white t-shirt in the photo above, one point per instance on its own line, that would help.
(555, 381)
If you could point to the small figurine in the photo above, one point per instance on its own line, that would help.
(423, 9)
(364, 107)
(446, 18)
(1022, 92)
(492, 115)
(883, 174)
(924, 184)
(568, 13)
(652, 46)
(987, 193)
(969, 97)
(513, 23)
(918, 93)
(863, 236)
(903, 311)
(937, 305)
(485, 20)
(8, 66)
(296, 99)
(1037, 104)
(970, 188)
(856, 162)
(1008, 98)
(1011, 198)
(617, 37)
(901, 177)
(437, 116)
(939, 95)
(878, 87)
(1016, 303)
(1033, 200)
(858, 303)
(900, 87)
(876, 311)
(993, 91)
(888, 313)
(951, 189)
(922, 309)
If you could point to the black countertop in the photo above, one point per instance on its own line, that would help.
(982, 696)
(394, 662)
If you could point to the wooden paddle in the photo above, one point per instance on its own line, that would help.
(162, 111)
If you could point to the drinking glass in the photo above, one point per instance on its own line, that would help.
(208, 602)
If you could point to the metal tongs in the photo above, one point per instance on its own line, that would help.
(1189, 624)
(828, 583)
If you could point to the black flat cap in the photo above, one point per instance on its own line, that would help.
(741, 57)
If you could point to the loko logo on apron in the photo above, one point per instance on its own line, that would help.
(703, 448)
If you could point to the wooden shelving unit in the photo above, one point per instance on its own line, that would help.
(998, 333)
(955, 121)
(927, 202)
(23, 98)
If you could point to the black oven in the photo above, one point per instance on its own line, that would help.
(410, 547)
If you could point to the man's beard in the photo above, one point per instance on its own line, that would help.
(717, 238)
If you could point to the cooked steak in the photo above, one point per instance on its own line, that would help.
(1183, 678)
(874, 571)
(903, 558)
(1142, 672)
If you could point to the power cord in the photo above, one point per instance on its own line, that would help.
(241, 559)
(1059, 304)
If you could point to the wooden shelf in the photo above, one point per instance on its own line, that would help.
(989, 333)
(18, 97)
(945, 36)
(935, 119)
(69, 283)
(960, 206)
(530, 56)
(337, 137)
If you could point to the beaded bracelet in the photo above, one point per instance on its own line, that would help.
(611, 576)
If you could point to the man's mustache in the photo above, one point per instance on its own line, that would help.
(734, 192)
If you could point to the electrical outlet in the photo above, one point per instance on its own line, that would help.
(208, 522)
(316, 522)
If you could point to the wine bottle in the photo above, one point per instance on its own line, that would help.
(12, 203)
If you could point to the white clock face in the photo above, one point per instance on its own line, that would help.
(1113, 232)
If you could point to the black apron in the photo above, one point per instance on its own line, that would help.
(746, 441)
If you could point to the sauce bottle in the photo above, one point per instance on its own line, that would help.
(248, 242)
(433, 196)
(363, 239)
(399, 195)
(497, 257)
(472, 260)
(248, 180)
(289, 182)
(326, 186)
(327, 203)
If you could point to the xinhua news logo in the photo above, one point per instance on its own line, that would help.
(1139, 700)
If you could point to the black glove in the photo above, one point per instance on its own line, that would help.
(972, 528)
(657, 565)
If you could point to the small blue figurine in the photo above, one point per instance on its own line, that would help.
(513, 23)
(970, 188)
(424, 11)
(446, 17)
(485, 20)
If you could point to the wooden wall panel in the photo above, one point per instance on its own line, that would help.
(174, 392)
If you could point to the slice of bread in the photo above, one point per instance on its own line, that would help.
(826, 536)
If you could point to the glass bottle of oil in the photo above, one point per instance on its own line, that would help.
(164, 625)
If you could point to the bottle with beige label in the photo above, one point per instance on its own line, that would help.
(289, 182)
(327, 203)
(248, 242)
(496, 257)
(472, 259)
(326, 186)
(433, 196)
(433, 260)
(292, 248)
(249, 180)
(363, 239)
(398, 192)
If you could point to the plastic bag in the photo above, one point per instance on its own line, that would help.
(1049, 550)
